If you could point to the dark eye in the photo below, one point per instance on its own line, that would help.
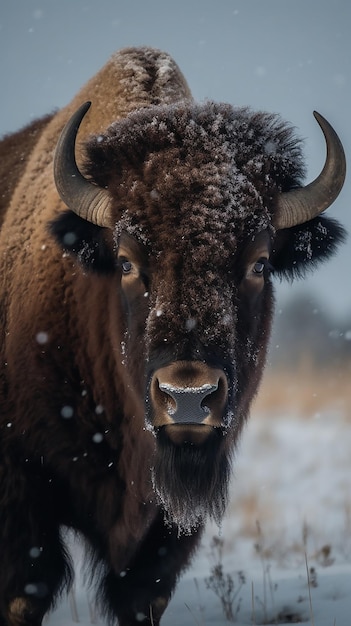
(258, 268)
(126, 266)
(261, 266)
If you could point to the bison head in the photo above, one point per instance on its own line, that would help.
(194, 208)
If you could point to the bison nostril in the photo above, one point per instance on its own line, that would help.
(188, 392)
(187, 404)
(167, 399)
(216, 398)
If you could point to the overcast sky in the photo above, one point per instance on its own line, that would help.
(285, 56)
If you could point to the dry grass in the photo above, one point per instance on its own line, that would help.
(305, 391)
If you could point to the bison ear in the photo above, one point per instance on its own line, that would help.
(91, 244)
(300, 248)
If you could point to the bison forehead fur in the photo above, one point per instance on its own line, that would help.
(135, 324)
(208, 172)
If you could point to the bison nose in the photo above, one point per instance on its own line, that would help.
(188, 402)
(189, 393)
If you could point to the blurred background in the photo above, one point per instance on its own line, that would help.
(289, 57)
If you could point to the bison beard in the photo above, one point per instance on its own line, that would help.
(191, 481)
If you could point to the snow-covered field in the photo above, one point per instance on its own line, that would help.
(287, 531)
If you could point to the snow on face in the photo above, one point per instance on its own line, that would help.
(198, 168)
(192, 183)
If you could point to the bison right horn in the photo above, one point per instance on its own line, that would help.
(303, 204)
(81, 196)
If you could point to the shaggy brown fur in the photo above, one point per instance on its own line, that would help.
(84, 329)
(15, 152)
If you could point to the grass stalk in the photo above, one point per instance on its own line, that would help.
(253, 603)
(309, 591)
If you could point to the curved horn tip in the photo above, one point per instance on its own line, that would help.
(322, 121)
(84, 108)
(328, 130)
(80, 195)
(301, 205)
(325, 125)
(318, 116)
(80, 113)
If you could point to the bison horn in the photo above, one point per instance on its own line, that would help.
(81, 196)
(301, 205)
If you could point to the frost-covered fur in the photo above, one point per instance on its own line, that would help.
(193, 183)
(194, 187)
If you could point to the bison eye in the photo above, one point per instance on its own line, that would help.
(260, 267)
(126, 266)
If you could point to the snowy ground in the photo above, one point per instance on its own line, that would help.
(288, 530)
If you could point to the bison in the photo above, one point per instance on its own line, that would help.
(136, 305)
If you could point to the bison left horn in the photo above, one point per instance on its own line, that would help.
(81, 196)
(301, 205)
